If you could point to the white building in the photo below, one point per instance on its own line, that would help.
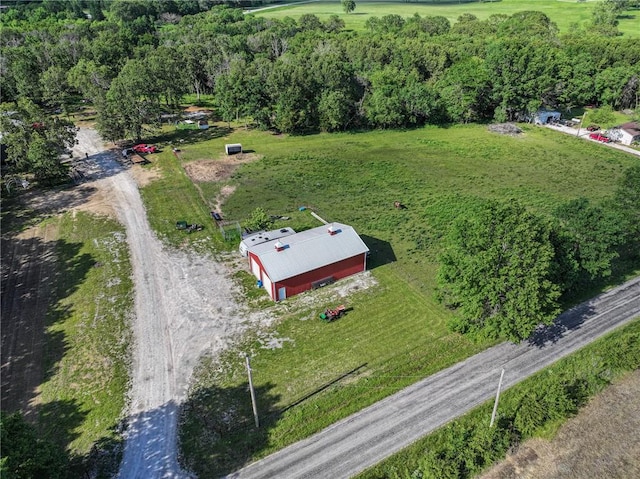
(542, 117)
(626, 134)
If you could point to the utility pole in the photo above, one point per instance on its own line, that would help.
(253, 393)
(580, 125)
(495, 405)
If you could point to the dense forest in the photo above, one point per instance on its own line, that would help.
(136, 59)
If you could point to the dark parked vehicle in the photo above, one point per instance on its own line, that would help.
(593, 127)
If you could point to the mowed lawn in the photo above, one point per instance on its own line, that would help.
(565, 13)
(395, 332)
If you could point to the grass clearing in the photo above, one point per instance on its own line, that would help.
(309, 374)
(564, 13)
(82, 399)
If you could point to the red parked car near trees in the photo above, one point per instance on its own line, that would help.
(144, 148)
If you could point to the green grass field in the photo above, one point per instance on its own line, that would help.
(83, 396)
(564, 13)
(396, 332)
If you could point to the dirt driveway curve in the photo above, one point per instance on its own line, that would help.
(184, 307)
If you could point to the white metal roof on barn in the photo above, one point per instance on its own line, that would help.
(263, 237)
(309, 250)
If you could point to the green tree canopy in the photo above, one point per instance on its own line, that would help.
(627, 202)
(496, 272)
(348, 6)
(26, 455)
(595, 232)
(258, 220)
(36, 142)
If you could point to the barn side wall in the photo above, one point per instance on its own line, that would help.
(263, 273)
(339, 270)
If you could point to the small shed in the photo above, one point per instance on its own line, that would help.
(544, 117)
(233, 148)
(626, 134)
(308, 260)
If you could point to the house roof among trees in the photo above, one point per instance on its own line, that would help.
(633, 128)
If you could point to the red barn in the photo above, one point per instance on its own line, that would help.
(308, 260)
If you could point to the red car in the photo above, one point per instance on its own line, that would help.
(144, 148)
(599, 137)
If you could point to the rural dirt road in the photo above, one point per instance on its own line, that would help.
(362, 440)
(184, 307)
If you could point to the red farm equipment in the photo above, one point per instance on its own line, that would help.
(333, 314)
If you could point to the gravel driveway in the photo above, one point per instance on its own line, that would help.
(184, 307)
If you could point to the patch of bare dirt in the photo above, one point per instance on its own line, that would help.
(225, 193)
(144, 176)
(212, 171)
(83, 197)
(28, 277)
(602, 441)
(510, 129)
(205, 171)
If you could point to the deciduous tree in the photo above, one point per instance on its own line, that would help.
(595, 231)
(496, 272)
(35, 142)
(627, 201)
(25, 454)
(348, 6)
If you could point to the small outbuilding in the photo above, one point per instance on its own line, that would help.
(308, 260)
(233, 148)
(544, 117)
(626, 134)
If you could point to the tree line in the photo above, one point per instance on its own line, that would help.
(134, 60)
(306, 75)
(504, 270)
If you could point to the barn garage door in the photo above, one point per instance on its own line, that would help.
(267, 285)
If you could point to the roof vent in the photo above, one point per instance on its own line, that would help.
(279, 246)
(333, 230)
